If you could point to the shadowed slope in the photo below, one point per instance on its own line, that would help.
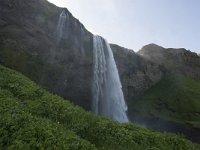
(34, 118)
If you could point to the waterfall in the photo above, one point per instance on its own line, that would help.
(60, 26)
(108, 98)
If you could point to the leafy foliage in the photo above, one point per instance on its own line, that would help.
(32, 118)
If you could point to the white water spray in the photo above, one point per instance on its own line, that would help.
(108, 98)
(60, 26)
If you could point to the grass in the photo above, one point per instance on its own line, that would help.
(174, 98)
(32, 118)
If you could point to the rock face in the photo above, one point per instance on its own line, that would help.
(137, 74)
(174, 60)
(28, 44)
(173, 103)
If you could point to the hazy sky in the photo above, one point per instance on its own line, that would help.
(135, 23)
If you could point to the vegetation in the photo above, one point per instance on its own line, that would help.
(174, 98)
(32, 118)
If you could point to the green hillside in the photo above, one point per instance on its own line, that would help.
(32, 118)
(173, 104)
(175, 98)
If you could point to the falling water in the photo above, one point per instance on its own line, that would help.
(108, 98)
(60, 26)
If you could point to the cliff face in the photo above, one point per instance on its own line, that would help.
(173, 60)
(137, 74)
(173, 103)
(28, 44)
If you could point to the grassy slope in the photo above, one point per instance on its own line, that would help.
(32, 118)
(174, 98)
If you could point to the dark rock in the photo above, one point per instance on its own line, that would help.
(27, 36)
(28, 31)
(137, 74)
(173, 60)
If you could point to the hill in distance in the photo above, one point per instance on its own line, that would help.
(172, 104)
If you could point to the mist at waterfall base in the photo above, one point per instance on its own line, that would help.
(108, 98)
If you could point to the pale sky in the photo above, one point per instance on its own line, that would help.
(135, 23)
